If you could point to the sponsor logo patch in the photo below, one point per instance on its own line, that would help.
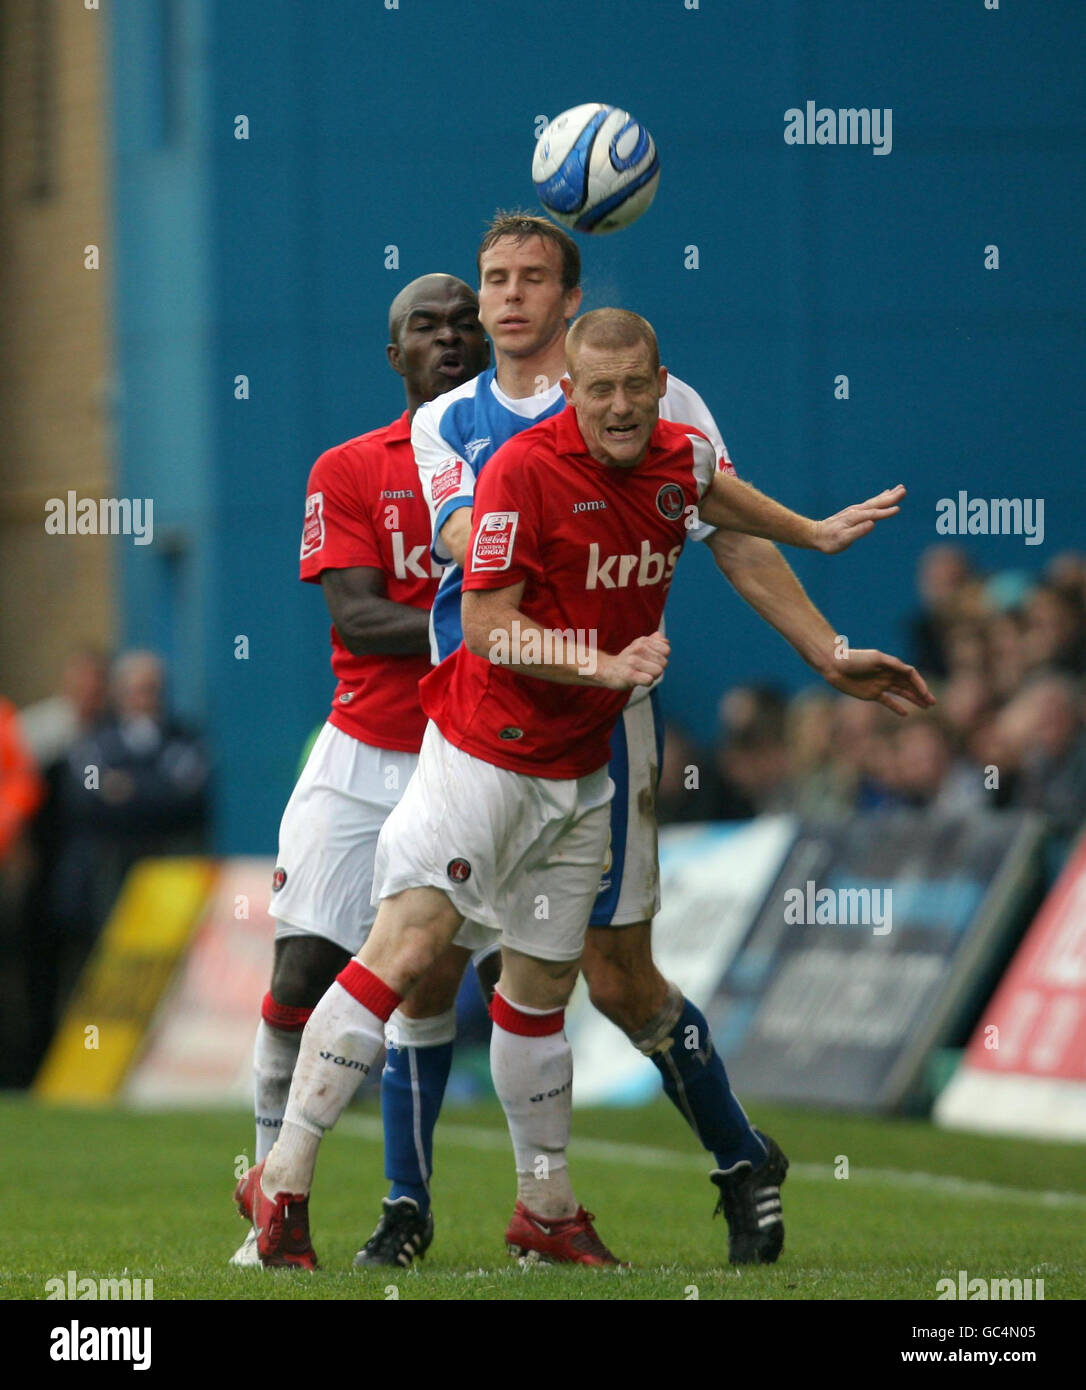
(473, 448)
(669, 501)
(279, 877)
(458, 870)
(493, 549)
(446, 481)
(313, 529)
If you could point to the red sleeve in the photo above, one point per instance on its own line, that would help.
(20, 786)
(504, 545)
(338, 532)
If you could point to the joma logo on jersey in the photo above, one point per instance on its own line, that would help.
(410, 562)
(619, 571)
(474, 447)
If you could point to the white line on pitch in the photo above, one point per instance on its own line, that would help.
(641, 1156)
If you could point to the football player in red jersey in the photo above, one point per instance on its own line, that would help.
(529, 290)
(506, 819)
(366, 541)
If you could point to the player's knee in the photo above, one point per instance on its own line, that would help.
(437, 988)
(413, 930)
(622, 990)
(561, 977)
(304, 968)
(608, 990)
(537, 983)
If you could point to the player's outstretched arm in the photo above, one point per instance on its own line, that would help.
(496, 629)
(762, 576)
(367, 621)
(734, 505)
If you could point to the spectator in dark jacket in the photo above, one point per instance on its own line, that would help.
(134, 787)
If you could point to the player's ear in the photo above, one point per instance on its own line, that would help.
(392, 352)
(572, 302)
(567, 388)
(662, 381)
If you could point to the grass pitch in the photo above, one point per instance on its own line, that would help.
(107, 1193)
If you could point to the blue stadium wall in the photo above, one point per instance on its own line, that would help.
(371, 127)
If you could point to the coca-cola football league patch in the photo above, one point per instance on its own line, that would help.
(313, 529)
(493, 549)
(446, 481)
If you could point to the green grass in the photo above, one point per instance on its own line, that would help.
(103, 1192)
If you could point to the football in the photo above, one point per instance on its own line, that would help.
(595, 168)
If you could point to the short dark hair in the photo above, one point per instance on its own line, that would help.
(522, 225)
(612, 328)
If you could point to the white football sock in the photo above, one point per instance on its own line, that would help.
(404, 1031)
(341, 1042)
(274, 1056)
(533, 1077)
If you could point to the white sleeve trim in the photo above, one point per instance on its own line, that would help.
(435, 456)
(704, 462)
(682, 405)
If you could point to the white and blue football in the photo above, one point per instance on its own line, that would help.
(595, 168)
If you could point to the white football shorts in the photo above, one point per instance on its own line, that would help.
(324, 872)
(519, 855)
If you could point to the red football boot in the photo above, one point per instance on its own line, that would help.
(573, 1240)
(282, 1226)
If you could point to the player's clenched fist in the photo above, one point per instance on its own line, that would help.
(838, 532)
(641, 663)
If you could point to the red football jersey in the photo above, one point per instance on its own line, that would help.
(364, 507)
(596, 548)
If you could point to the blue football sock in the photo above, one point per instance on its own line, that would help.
(412, 1089)
(697, 1085)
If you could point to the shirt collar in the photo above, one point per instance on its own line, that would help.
(400, 429)
(568, 437)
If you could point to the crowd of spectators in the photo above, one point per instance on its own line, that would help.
(1005, 655)
(92, 779)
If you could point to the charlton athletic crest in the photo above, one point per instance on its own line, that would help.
(669, 501)
(278, 879)
(459, 870)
